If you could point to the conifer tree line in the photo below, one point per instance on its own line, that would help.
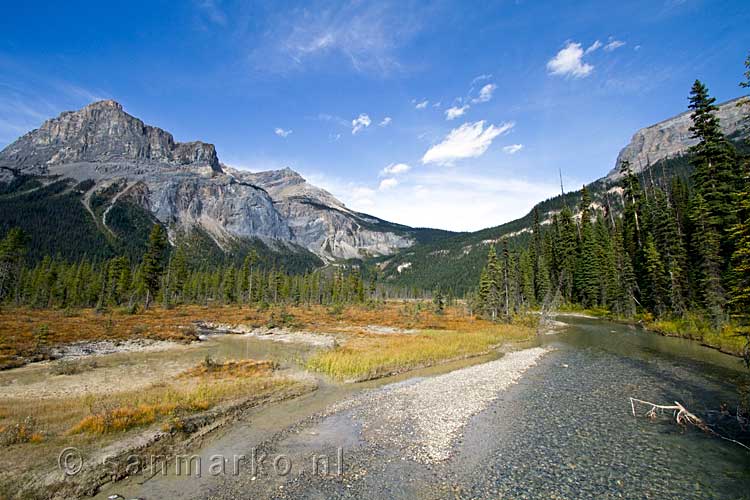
(676, 247)
(165, 278)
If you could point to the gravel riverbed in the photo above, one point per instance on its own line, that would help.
(415, 423)
(548, 422)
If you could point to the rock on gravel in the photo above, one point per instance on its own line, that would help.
(101, 347)
(273, 334)
(423, 418)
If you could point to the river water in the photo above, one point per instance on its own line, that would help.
(564, 431)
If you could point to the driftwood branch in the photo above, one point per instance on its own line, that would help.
(681, 415)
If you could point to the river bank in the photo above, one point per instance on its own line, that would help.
(132, 387)
(564, 429)
(730, 338)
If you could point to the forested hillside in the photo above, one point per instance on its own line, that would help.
(679, 249)
(455, 263)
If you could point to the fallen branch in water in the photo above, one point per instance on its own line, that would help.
(682, 416)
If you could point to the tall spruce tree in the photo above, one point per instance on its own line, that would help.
(493, 296)
(740, 271)
(714, 159)
(586, 271)
(710, 290)
(153, 263)
(566, 246)
(12, 252)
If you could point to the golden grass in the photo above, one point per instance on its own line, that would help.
(729, 339)
(230, 369)
(212, 383)
(91, 423)
(20, 432)
(377, 355)
(597, 312)
(121, 419)
(20, 327)
(105, 414)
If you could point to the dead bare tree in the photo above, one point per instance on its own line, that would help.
(682, 416)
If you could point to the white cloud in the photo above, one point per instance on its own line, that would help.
(388, 183)
(360, 196)
(513, 149)
(593, 47)
(281, 132)
(386, 121)
(467, 141)
(478, 200)
(569, 62)
(481, 78)
(613, 44)
(360, 123)
(485, 94)
(455, 112)
(395, 169)
(422, 104)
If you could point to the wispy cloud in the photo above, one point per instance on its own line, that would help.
(569, 62)
(422, 104)
(485, 94)
(395, 169)
(385, 122)
(467, 141)
(593, 47)
(366, 35)
(613, 44)
(481, 78)
(389, 183)
(281, 132)
(325, 117)
(513, 149)
(211, 11)
(360, 123)
(455, 112)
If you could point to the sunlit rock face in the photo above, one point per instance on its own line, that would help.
(321, 223)
(672, 137)
(185, 186)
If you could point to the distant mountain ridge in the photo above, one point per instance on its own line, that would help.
(94, 180)
(656, 153)
(672, 137)
(118, 164)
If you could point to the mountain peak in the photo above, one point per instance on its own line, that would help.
(105, 104)
(103, 132)
(290, 175)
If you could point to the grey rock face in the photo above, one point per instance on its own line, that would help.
(221, 206)
(102, 132)
(184, 186)
(320, 222)
(672, 137)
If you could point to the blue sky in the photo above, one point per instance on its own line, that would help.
(447, 114)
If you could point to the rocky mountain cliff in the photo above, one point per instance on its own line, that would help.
(113, 159)
(672, 137)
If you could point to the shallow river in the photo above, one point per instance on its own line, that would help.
(564, 431)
